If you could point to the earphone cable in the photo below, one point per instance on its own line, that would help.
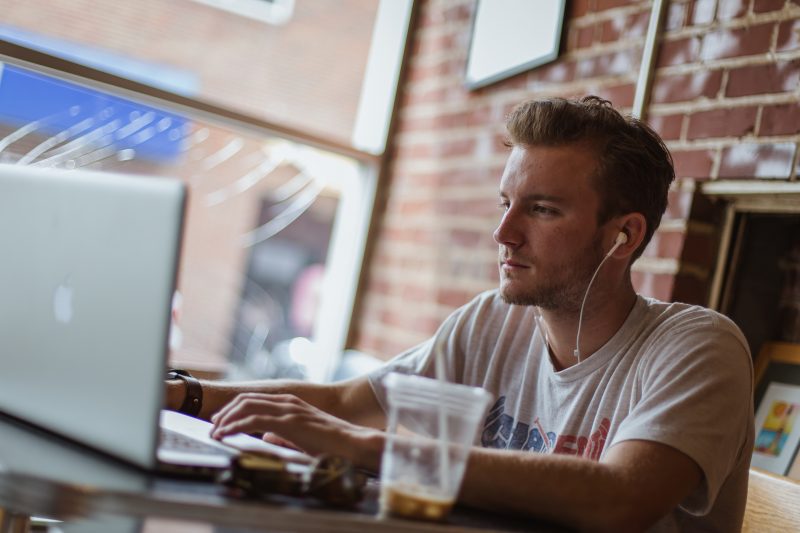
(577, 352)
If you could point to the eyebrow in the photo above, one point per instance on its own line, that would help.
(537, 197)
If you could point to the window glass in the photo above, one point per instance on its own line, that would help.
(266, 276)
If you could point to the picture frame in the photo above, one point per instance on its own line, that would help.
(794, 470)
(512, 36)
(777, 418)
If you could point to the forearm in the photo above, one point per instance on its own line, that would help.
(576, 492)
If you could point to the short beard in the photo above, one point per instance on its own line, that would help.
(565, 293)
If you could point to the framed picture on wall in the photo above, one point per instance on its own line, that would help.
(777, 428)
(512, 36)
(777, 399)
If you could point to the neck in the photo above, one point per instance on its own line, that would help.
(603, 315)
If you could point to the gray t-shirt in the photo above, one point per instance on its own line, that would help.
(676, 374)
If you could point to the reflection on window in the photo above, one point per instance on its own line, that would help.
(266, 273)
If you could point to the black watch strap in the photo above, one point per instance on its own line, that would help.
(193, 401)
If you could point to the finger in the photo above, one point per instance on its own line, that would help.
(263, 407)
(233, 403)
(274, 438)
(247, 402)
(248, 424)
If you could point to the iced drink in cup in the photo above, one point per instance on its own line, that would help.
(431, 426)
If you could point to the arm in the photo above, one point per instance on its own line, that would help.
(351, 400)
(637, 483)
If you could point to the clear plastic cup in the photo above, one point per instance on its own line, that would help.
(432, 425)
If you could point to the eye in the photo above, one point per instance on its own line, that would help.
(503, 204)
(540, 209)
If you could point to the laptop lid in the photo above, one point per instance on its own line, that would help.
(88, 270)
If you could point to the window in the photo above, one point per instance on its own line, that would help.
(265, 220)
(277, 215)
(313, 72)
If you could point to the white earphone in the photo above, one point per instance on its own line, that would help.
(621, 239)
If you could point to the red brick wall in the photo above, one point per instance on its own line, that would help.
(725, 98)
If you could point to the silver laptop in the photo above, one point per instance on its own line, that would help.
(88, 264)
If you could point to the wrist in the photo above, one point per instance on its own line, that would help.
(192, 402)
(176, 392)
(368, 449)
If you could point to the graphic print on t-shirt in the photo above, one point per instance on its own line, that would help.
(501, 430)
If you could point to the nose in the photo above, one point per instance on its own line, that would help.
(506, 233)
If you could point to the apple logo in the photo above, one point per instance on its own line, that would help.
(62, 302)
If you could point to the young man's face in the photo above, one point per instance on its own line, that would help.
(549, 240)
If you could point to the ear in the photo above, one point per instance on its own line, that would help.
(634, 226)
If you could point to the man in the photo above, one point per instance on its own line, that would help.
(641, 410)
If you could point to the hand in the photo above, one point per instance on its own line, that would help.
(288, 418)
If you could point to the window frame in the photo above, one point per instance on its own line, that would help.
(347, 251)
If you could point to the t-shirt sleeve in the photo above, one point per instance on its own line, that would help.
(450, 340)
(696, 396)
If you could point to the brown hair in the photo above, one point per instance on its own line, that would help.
(634, 166)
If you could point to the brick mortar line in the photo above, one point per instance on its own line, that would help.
(436, 109)
(656, 265)
(609, 14)
(465, 283)
(432, 59)
(439, 136)
(434, 254)
(555, 87)
(463, 191)
(455, 253)
(766, 58)
(673, 225)
(689, 107)
(751, 19)
(597, 49)
(725, 142)
(451, 164)
(440, 29)
(434, 240)
(401, 217)
(388, 302)
(477, 192)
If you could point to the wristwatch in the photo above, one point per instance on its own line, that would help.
(193, 401)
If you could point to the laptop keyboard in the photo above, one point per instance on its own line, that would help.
(178, 442)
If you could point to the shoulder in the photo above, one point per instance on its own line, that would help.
(676, 319)
(688, 338)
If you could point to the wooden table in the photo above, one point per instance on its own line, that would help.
(45, 476)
